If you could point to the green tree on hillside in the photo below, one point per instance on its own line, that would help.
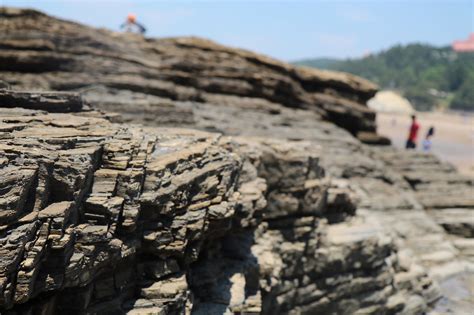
(427, 75)
(464, 97)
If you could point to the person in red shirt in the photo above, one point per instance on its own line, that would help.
(411, 142)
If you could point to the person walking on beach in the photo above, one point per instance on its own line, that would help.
(411, 142)
(131, 25)
(427, 141)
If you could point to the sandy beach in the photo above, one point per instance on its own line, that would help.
(453, 140)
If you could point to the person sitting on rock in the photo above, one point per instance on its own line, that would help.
(131, 25)
(411, 142)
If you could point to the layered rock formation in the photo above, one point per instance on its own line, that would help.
(267, 202)
(106, 218)
(41, 52)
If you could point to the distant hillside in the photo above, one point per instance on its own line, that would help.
(428, 76)
(321, 63)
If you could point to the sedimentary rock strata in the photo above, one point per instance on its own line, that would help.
(93, 211)
(41, 52)
(266, 202)
(99, 217)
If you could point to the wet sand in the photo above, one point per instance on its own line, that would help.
(453, 140)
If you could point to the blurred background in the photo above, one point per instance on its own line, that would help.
(420, 53)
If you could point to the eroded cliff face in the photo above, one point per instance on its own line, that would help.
(263, 204)
(41, 52)
(110, 218)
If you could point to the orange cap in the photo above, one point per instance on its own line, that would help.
(131, 17)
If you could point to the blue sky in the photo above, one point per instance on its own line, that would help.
(288, 30)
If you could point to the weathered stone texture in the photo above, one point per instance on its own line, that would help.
(88, 209)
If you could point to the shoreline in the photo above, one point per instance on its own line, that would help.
(453, 140)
